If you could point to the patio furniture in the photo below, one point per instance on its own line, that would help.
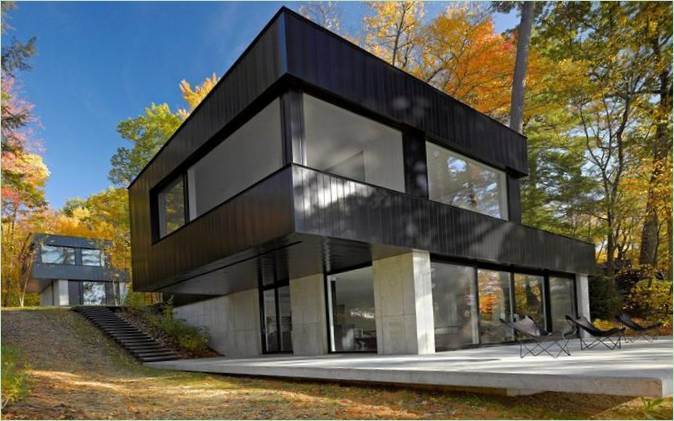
(641, 331)
(536, 341)
(610, 338)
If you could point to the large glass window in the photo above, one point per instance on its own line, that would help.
(347, 144)
(57, 255)
(454, 307)
(93, 293)
(92, 257)
(494, 296)
(171, 206)
(529, 297)
(245, 157)
(351, 311)
(459, 181)
(562, 302)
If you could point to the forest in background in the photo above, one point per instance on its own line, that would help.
(589, 84)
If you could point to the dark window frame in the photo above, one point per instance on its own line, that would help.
(511, 269)
(261, 288)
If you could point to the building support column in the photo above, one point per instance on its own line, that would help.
(583, 297)
(62, 292)
(307, 309)
(404, 304)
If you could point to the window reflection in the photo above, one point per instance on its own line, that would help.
(454, 309)
(529, 297)
(351, 310)
(171, 206)
(494, 293)
(57, 255)
(93, 293)
(462, 182)
(562, 302)
(92, 257)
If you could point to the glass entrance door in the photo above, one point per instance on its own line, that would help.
(276, 319)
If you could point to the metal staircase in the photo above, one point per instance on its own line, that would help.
(137, 343)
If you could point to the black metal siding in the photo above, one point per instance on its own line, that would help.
(255, 216)
(331, 206)
(326, 61)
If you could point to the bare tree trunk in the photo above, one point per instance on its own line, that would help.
(523, 38)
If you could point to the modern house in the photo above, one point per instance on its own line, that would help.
(320, 200)
(69, 271)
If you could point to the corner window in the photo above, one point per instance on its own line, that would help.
(347, 144)
(57, 255)
(171, 206)
(92, 257)
(459, 181)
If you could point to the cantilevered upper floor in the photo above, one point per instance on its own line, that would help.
(312, 154)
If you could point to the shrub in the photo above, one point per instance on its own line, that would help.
(605, 302)
(14, 386)
(651, 299)
(189, 338)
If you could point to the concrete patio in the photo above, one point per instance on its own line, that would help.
(639, 369)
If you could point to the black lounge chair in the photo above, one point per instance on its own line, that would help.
(536, 341)
(641, 331)
(610, 338)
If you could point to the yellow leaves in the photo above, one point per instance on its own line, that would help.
(392, 31)
(193, 97)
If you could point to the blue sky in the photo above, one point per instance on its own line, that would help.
(100, 63)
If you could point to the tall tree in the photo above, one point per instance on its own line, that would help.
(24, 173)
(150, 131)
(393, 30)
(324, 13)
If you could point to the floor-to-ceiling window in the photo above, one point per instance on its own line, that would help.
(351, 311)
(454, 306)
(276, 318)
(494, 304)
(93, 293)
(562, 302)
(529, 297)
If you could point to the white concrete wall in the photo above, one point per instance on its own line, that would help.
(583, 298)
(233, 322)
(404, 304)
(307, 306)
(62, 292)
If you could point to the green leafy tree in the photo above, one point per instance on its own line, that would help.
(148, 133)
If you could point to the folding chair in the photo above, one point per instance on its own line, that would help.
(610, 338)
(535, 341)
(641, 331)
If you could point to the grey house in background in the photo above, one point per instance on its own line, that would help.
(69, 271)
(320, 200)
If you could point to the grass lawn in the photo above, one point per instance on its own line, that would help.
(76, 372)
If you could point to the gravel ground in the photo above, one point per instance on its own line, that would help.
(76, 372)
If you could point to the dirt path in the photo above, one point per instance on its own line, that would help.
(76, 372)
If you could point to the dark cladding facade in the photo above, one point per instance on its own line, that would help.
(313, 157)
